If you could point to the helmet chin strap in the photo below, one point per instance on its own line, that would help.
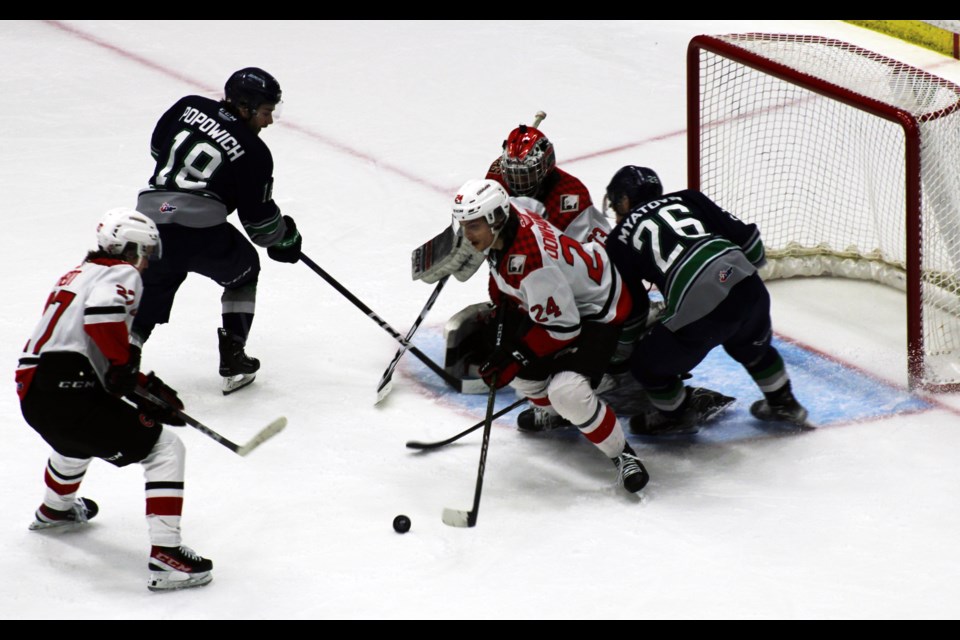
(496, 236)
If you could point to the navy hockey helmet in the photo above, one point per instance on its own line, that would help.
(639, 184)
(251, 87)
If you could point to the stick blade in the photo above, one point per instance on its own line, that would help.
(265, 434)
(457, 518)
(384, 390)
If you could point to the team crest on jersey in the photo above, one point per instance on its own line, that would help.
(725, 274)
(569, 202)
(515, 263)
(166, 207)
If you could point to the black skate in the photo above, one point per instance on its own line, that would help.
(180, 567)
(708, 403)
(236, 367)
(655, 423)
(632, 475)
(703, 406)
(782, 407)
(535, 419)
(83, 510)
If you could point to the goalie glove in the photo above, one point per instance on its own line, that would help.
(446, 254)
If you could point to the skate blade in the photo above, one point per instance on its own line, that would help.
(175, 580)
(715, 411)
(237, 382)
(68, 525)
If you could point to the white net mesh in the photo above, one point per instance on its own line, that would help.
(815, 148)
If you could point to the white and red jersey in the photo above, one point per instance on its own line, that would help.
(559, 282)
(89, 311)
(564, 201)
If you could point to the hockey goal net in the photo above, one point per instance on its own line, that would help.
(848, 161)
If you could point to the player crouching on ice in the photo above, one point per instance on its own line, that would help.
(704, 261)
(565, 306)
(72, 377)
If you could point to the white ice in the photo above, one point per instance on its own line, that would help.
(382, 122)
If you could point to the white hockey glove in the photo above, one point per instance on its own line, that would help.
(447, 254)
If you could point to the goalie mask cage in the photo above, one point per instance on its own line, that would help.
(849, 163)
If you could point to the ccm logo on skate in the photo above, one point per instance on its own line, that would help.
(172, 563)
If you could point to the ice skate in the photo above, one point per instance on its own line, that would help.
(656, 423)
(83, 510)
(535, 419)
(632, 475)
(781, 407)
(180, 567)
(236, 367)
(708, 403)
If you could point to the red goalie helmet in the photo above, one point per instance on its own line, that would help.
(528, 158)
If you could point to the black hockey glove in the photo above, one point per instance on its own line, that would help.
(166, 410)
(287, 249)
(506, 363)
(121, 379)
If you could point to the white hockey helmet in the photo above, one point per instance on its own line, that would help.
(482, 199)
(122, 229)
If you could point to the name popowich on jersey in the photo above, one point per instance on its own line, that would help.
(214, 131)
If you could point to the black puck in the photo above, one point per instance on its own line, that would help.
(401, 524)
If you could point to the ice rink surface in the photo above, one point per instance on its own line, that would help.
(381, 123)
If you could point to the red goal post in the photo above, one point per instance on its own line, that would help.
(848, 161)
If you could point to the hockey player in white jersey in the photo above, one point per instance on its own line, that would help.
(563, 304)
(71, 378)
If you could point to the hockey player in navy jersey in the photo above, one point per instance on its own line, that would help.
(210, 162)
(71, 378)
(704, 262)
(563, 305)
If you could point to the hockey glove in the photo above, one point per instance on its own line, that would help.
(121, 379)
(166, 411)
(505, 363)
(287, 249)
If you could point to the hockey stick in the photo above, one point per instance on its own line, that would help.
(262, 436)
(386, 380)
(449, 379)
(385, 385)
(426, 446)
(456, 517)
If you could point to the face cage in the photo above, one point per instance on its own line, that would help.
(522, 179)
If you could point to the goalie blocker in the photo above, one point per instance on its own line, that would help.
(445, 255)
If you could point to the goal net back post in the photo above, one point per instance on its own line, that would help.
(849, 163)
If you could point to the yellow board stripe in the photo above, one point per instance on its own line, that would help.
(924, 34)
